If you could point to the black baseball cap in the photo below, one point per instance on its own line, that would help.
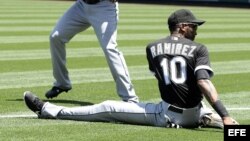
(183, 16)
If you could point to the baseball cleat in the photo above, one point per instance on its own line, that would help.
(173, 125)
(55, 91)
(212, 120)
(33, 102)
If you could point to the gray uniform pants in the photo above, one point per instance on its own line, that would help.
(103, 17)
(132, 113)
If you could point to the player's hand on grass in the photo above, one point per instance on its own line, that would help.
(229, 121)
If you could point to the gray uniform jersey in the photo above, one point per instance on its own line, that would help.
(103, 17)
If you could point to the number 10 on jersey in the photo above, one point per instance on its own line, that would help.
(177, 70)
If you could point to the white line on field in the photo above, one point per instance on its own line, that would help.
(231, 24)
(44, 78)
(127, 36)
(121, 27)
(17, 116)
(239, 109)
(34, 115)
(96, 51)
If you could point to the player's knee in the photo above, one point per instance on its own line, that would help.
(108, 105)
(111, 50)
(55, 36)
(107, 102)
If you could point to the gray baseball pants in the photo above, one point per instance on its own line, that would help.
(103, 17)
(160, 114)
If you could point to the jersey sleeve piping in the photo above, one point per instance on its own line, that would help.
(210, 70)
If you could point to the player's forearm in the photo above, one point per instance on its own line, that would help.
(211, 95)
(208, 89)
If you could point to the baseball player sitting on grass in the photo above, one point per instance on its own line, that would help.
(183, 71)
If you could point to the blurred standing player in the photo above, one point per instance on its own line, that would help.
(182, 68)
(102, 15)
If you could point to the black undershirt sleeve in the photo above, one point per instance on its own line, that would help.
(202, 74)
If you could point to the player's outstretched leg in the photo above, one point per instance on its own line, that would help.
(33, 102)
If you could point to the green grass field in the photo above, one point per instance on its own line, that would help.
(25, 64)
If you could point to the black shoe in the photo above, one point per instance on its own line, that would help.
(33, 102)
(55, 91)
